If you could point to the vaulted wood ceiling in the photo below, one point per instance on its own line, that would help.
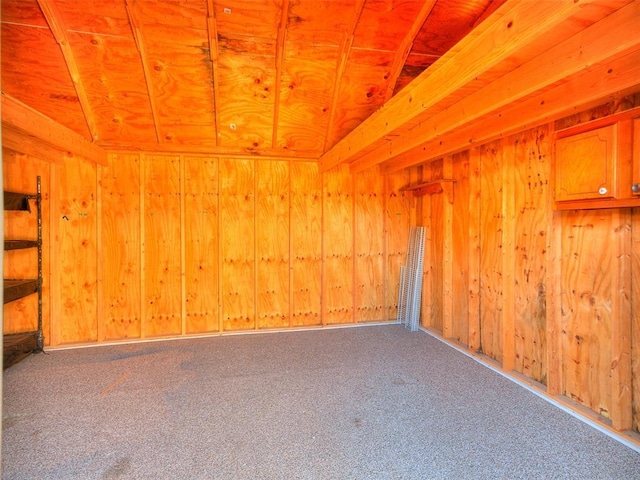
(389, 83)
(268, 77)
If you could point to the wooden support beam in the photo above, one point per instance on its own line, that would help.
(280, 45)
(212, 30)
(23, 144)
(345, 50)
(589, 88)
(45, 132)
(405, 47)
(518, 28)
(606, 39)
(54, 19)
(146, 68)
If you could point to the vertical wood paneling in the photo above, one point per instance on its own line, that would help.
(338, 246)
(436, 247)
(237, 236)
(491, 250)
(635, 317)
(532, 159)
(447, 252)
(398, 224)
(306, 244)
(19, 175)
(76, 251)
(620, 365)
(120, 194)
(369, 244)
(272, 243)
(163, 272)
(201, 244)
(508, 256)
(586, 284)
(474, 238)
(461, 249)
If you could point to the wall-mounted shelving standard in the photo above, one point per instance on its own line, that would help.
(21, 344)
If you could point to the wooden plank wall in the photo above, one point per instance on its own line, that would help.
(20, 172)
(546, 294)
(168, 245)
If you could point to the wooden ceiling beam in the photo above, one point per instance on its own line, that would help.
(280, 46)
(204, 149)
(54, 19)
(36, 127)
(25, 145)
(597, 84)
(606, 39)
(212, 31)
(515, 27)
(345, 51)
(405, 47)
(146, 68)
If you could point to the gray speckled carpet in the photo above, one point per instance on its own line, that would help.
(375, 402)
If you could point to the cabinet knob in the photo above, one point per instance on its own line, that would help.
(635, 188)
(602, 190)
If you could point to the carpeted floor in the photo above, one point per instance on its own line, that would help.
(374, 402)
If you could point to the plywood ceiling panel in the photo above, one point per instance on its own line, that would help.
(264, 77)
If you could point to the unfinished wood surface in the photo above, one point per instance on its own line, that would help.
(369, 246)
(272, 244)
(447, 251)
(519, 84)
(306, 244)
(475, 238)
(162, 259)
(436, 254)
(76, 217)
(397, 216)
(635, 317)
(531, 156)
(338, 260)
(201, 240)
(462, 211)
(587, 280)
(248, 76)
(19, 175)
(620, 366)
(237, 243)
(305, 87)
(491, 250)
(46, 132)
(120, 217)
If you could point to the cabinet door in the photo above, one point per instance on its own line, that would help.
(586, 165)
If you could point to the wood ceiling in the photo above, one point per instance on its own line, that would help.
(260, 77)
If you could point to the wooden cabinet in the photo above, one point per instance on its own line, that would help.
(597, 164)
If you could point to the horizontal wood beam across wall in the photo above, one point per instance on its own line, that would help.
(599, 61)
(44, 133)
(514, 35)
(598, 84)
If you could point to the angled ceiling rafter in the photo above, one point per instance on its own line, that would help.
(404, 49)
(280, 45)
(212, 30)
(345, 50)
(54, 19)
(140, 45)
